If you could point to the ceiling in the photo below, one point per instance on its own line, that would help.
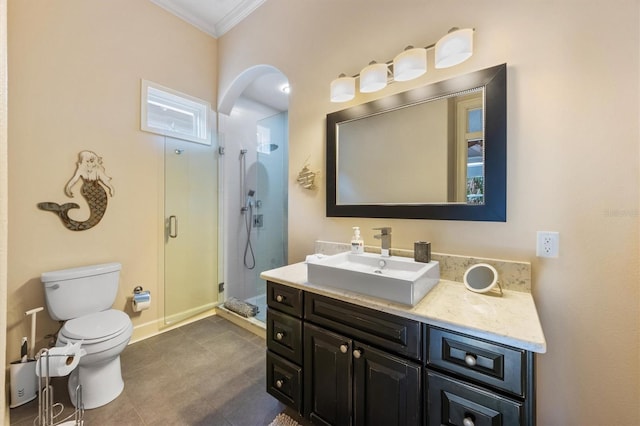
(268, 90)
(215, 17)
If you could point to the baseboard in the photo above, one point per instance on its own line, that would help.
(250, 324)
(153, 328)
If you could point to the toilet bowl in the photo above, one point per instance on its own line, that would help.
(83, 298)
(103, 335)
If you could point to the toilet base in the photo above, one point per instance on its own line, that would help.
(101, 383)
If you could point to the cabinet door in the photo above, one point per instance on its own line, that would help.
(387, 388)
(455, 403)
(284, 381)
(284, 335)
(327, 376)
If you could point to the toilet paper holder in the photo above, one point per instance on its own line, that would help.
(141, 299)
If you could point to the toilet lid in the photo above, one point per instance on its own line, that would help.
(96, 327)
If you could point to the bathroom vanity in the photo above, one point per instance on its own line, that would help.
(455, 358)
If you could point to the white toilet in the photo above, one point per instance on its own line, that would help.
(83, 298)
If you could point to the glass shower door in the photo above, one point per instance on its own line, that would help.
(271, 217)
(191, 227)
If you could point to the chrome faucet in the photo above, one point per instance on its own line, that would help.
(385, 237)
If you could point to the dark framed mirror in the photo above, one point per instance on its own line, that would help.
(433, 152)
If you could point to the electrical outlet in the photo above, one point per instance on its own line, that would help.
(548, 244)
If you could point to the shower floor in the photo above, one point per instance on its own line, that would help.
(260, 301)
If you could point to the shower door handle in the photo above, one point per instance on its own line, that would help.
(173, 226)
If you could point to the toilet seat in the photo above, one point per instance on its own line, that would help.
(97, 331)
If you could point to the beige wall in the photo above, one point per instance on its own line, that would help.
(4, 412)
(573, 156)
(74, 82)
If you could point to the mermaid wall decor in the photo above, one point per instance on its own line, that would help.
(90, 171)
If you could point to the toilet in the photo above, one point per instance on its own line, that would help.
(82, 297)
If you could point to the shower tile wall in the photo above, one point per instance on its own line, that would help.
(238, 131)
(271, 237)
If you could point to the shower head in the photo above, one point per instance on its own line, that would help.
(249, 203)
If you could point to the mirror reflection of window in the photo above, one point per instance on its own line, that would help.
(470, 149)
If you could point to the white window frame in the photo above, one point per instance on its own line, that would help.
(198, 109)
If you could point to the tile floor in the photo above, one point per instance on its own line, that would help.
(210, 372)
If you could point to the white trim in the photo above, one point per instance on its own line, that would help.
(214, 29)
(236, 15)
(187, 16)
(157, 326)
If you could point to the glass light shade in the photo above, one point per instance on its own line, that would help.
(343, 89)
(373, 77)
(454, 48)
(410, 64)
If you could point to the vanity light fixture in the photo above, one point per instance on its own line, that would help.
(452, 49)
(410, 64)
(343, 88)
(373, 77)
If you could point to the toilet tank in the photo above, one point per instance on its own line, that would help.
(71, 293)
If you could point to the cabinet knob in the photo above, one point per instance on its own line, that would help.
(471, 361)
(357, 353)
(468, 421)
(280, 383)
(279, 298)
(279, 336)
(344, 348)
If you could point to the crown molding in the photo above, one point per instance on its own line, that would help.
(243, 9)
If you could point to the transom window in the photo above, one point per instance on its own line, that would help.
(168, 112)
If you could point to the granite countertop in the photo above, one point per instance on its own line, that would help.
(511, 319)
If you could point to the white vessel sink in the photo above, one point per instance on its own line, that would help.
(398, 279)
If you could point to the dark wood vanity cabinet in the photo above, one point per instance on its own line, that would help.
(341, 364)
(348, 382)
(284, 344)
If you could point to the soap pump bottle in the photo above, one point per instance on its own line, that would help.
(357, 245)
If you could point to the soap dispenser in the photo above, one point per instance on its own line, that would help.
(357, 245)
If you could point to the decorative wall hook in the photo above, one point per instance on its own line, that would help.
(306, 177)
(90, 171)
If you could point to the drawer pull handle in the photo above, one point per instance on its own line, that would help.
(280, 383)
(279, 336)
(471, 361)
(279, 298)
(344, 348)
(468, 421)
(357, 353)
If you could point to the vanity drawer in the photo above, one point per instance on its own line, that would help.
(284, 335)
(488, 363)
(284, 381)
(455, 403)
(285, 299)
(399, 335)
